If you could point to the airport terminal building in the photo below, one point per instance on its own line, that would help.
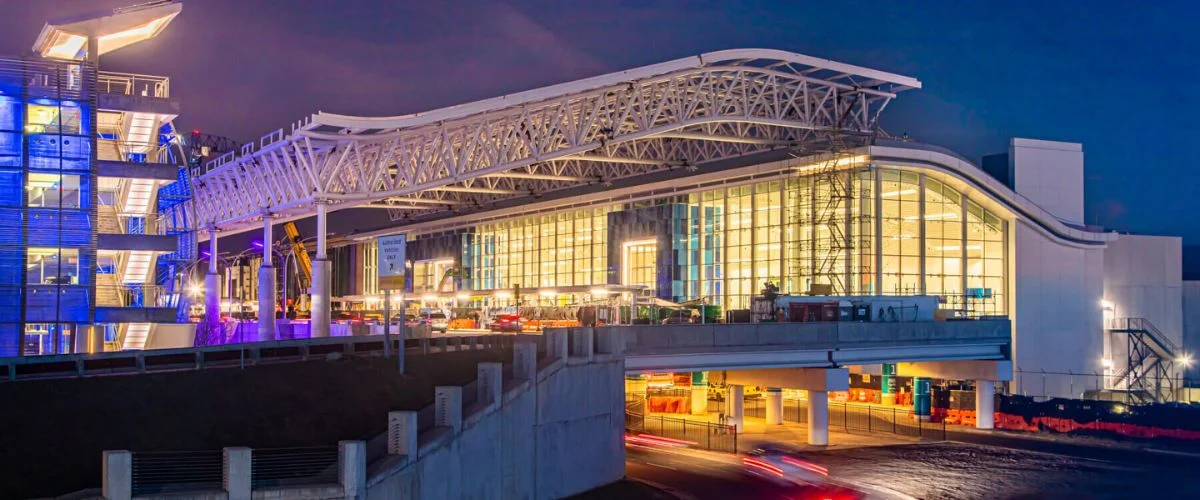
(690, 182)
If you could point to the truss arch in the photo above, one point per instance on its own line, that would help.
(673, 115)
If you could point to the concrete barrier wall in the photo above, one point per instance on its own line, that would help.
(832, 335)
(558, 436)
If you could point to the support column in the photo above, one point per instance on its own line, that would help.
(212, 291)
(266, 285)
(320, 278)
(921, 397)
(733, 406)
(818, 418)
(985, 404)
(699, 396)
(887, 386)
(774, 406)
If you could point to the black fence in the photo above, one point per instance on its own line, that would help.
(704, 435)
(849, 417)
(165, 472)
(281, 467)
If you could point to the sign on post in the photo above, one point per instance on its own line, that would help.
(391, 262)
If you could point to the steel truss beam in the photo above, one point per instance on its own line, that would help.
(674, 115)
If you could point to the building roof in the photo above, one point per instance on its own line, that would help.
(66, 38)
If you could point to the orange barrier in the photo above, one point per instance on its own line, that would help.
(668, 404)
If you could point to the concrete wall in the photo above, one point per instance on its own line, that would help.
(560, 437)
(171, 336)
(1143, 278)
(1191, 326)
(1056, 312)
(667, 338)
(1050, 174)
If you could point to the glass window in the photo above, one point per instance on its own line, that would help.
(51, 266)
(52, 118)
(48, 338)
(53, 190)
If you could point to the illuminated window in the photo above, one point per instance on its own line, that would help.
(48, 338)
(53, 119)
(640, 264)
(943, 242)
(51, 266)
(53, 190)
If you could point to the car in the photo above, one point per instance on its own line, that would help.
(438, 321)
(507, 323)
(784, 467)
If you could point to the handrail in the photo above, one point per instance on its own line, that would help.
(158, 154)
(1143, 324)
(110, 82)
(207, 357)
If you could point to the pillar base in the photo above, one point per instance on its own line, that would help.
(985, 404)
(266, 303)
(818, 418)
(733, 407)
(774, 406)
(319, 307)
(212, 309)
(699, 399)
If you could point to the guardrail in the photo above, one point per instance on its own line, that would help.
(703, 435)
(167, 471)
(225, 356)
(129, 295)
(853, 417)
(283, 467)
(157, 154)
(109, 82)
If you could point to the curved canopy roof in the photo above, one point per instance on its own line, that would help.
(679, 114)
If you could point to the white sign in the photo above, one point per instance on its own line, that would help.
(391, 261)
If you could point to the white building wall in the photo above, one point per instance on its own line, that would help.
(1143, 278)
(1050, 174)
(1057, 317)
(1191, 326)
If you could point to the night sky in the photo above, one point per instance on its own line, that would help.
(1116, 76)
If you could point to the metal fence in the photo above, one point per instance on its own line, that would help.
(164, 472)
(281, 467)
(849, 417)
(704, 435)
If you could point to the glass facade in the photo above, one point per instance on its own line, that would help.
(866, 231)
(47, 206)
(562, 249)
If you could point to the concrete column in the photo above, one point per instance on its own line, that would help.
(733, 406)
(699, 396)
(582, 343)
(525, 361)
(266, 303)
(887, 386)
(266, 285)
(818, 418)
(352, 469)
(235, 473)
(97, 339)
(489, 383)
(320, 279)
(402, 433)
(774, 406)
(117, 468)
(320, 298)
(448, 407)
(557, 345)
(212, 287)
(921, 397)
(985, 404)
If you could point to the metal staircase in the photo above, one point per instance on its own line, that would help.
(1148, 375)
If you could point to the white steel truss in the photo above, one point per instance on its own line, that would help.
(668, 116)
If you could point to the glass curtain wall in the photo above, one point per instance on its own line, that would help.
(47, 248)
(568, 248)
(866, 231)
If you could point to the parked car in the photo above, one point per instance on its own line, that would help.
(438, 321)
